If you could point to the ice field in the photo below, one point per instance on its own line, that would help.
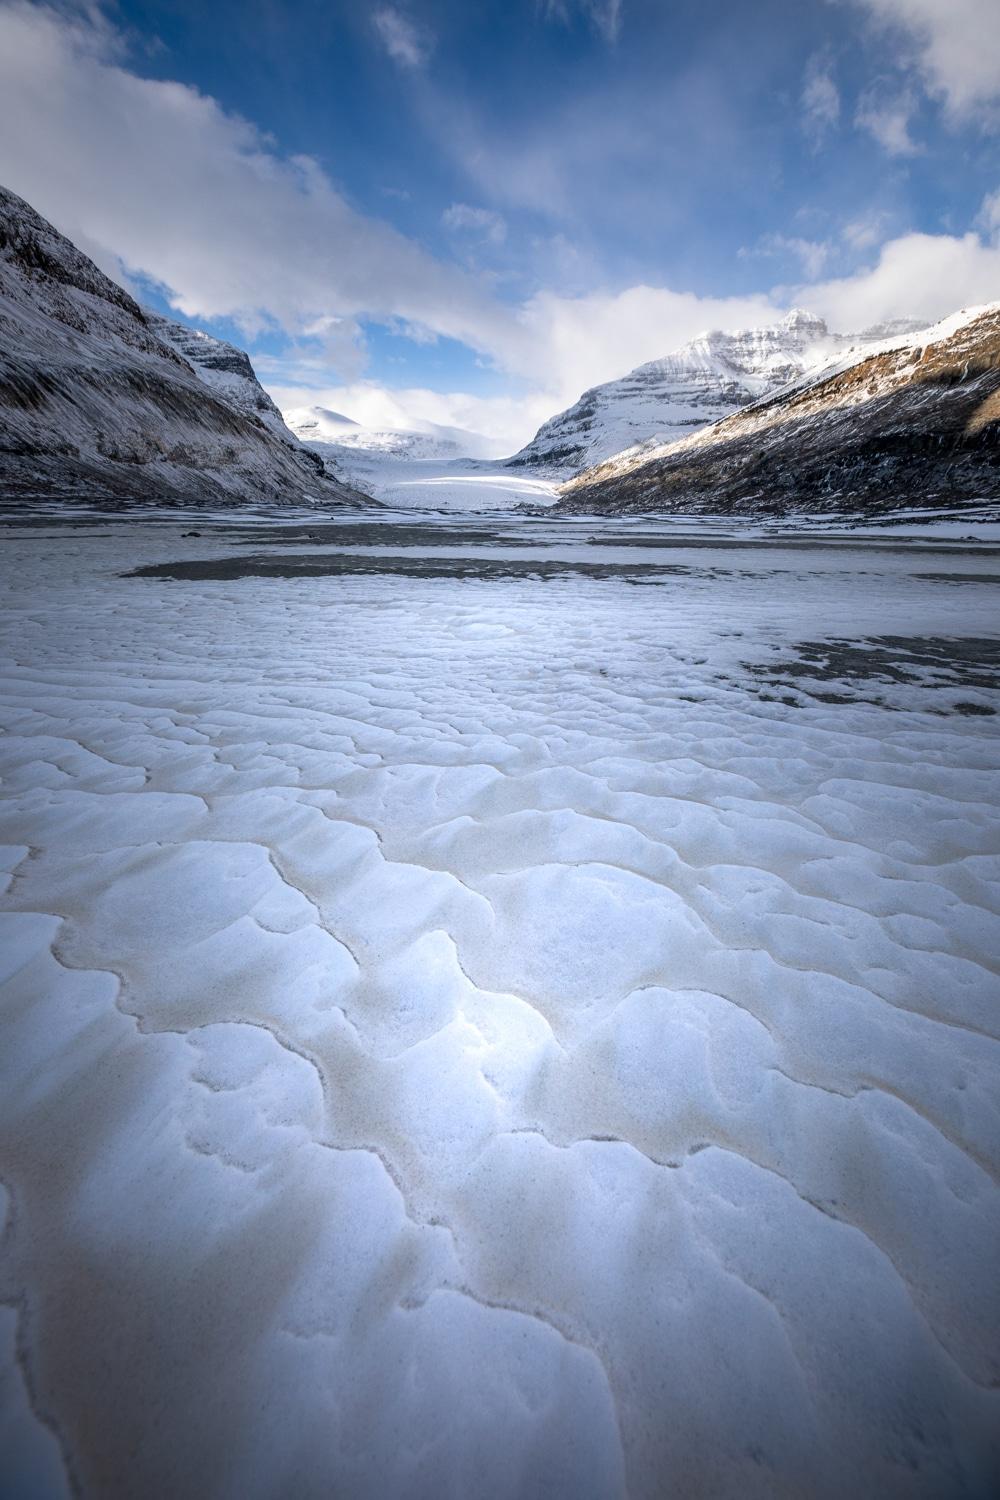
(501, 1009)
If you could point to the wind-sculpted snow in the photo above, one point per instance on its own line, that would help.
(488, 1036)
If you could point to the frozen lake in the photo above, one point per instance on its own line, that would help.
(499, 1007)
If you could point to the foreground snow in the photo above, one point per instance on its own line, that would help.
(500, 1038)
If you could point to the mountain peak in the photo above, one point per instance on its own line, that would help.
(709, 377)
(797, 320)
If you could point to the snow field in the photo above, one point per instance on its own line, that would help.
(460, 1038)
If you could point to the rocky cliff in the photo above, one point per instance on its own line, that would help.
(914, 421)
(709, 378)
(104, 402)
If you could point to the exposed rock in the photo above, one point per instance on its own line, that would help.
(102, 401)
(667, 399)
(914, 422)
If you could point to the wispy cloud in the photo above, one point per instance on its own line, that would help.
(812, 255)
(485, 222)
(989, 217)
(954, 46)
(886, 117)
(605, 16)
(820, 99)
(408, 43)
(864, 233)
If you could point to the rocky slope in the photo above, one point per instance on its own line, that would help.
(709, 378)
(915, 421)
(102, 401)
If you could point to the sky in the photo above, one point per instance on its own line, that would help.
(466, 212)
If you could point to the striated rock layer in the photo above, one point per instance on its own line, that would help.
(916, 421)
(667, 399)
(101, 401)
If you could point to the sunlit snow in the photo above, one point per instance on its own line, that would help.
(500, 1036)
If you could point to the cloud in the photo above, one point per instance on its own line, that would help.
(483, 221)
(989, 216)
(953, 44)
(916, 275)
(863, 233)
(197, 200)
(811, 254)
(502, 423)
(407, 44)
(605, 16)
(886, 117)
(820, 100)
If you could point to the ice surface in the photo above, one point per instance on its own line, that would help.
(497, 1037)
(410, 478)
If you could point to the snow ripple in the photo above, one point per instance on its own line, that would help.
(468, 1039)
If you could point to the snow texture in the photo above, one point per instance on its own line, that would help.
(914, 414)
(101, 401)
(708, 379)
(495, 1037)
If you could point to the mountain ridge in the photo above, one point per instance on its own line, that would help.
(705, 380)
(913, 420)
(104, 401)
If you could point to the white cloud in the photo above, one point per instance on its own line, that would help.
(820, 100)
(605, 16)
(483, 221)
(198, 200)
(863, 233)
(886, 117)
(577, 342)
(955, 45)
(407, 43)
(918, 275)
(502, 423)
(811, 254)
(989, 216)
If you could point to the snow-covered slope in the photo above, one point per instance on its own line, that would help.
(705, 380)
(433, 467)
(103, 401)
(326, 429)
(913, 419)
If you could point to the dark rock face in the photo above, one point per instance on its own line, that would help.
(917, 424)
(102, 401)
(707, 379)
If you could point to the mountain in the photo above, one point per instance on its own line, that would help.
(914, 421)
(101, 400)
(321, 426)
(398, 466)
(709, 378)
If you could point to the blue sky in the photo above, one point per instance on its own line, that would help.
(467, 212)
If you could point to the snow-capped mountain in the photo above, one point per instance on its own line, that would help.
(320, 426)
(705, 380)
(101, 400)
(912, 420)
(406, 466)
